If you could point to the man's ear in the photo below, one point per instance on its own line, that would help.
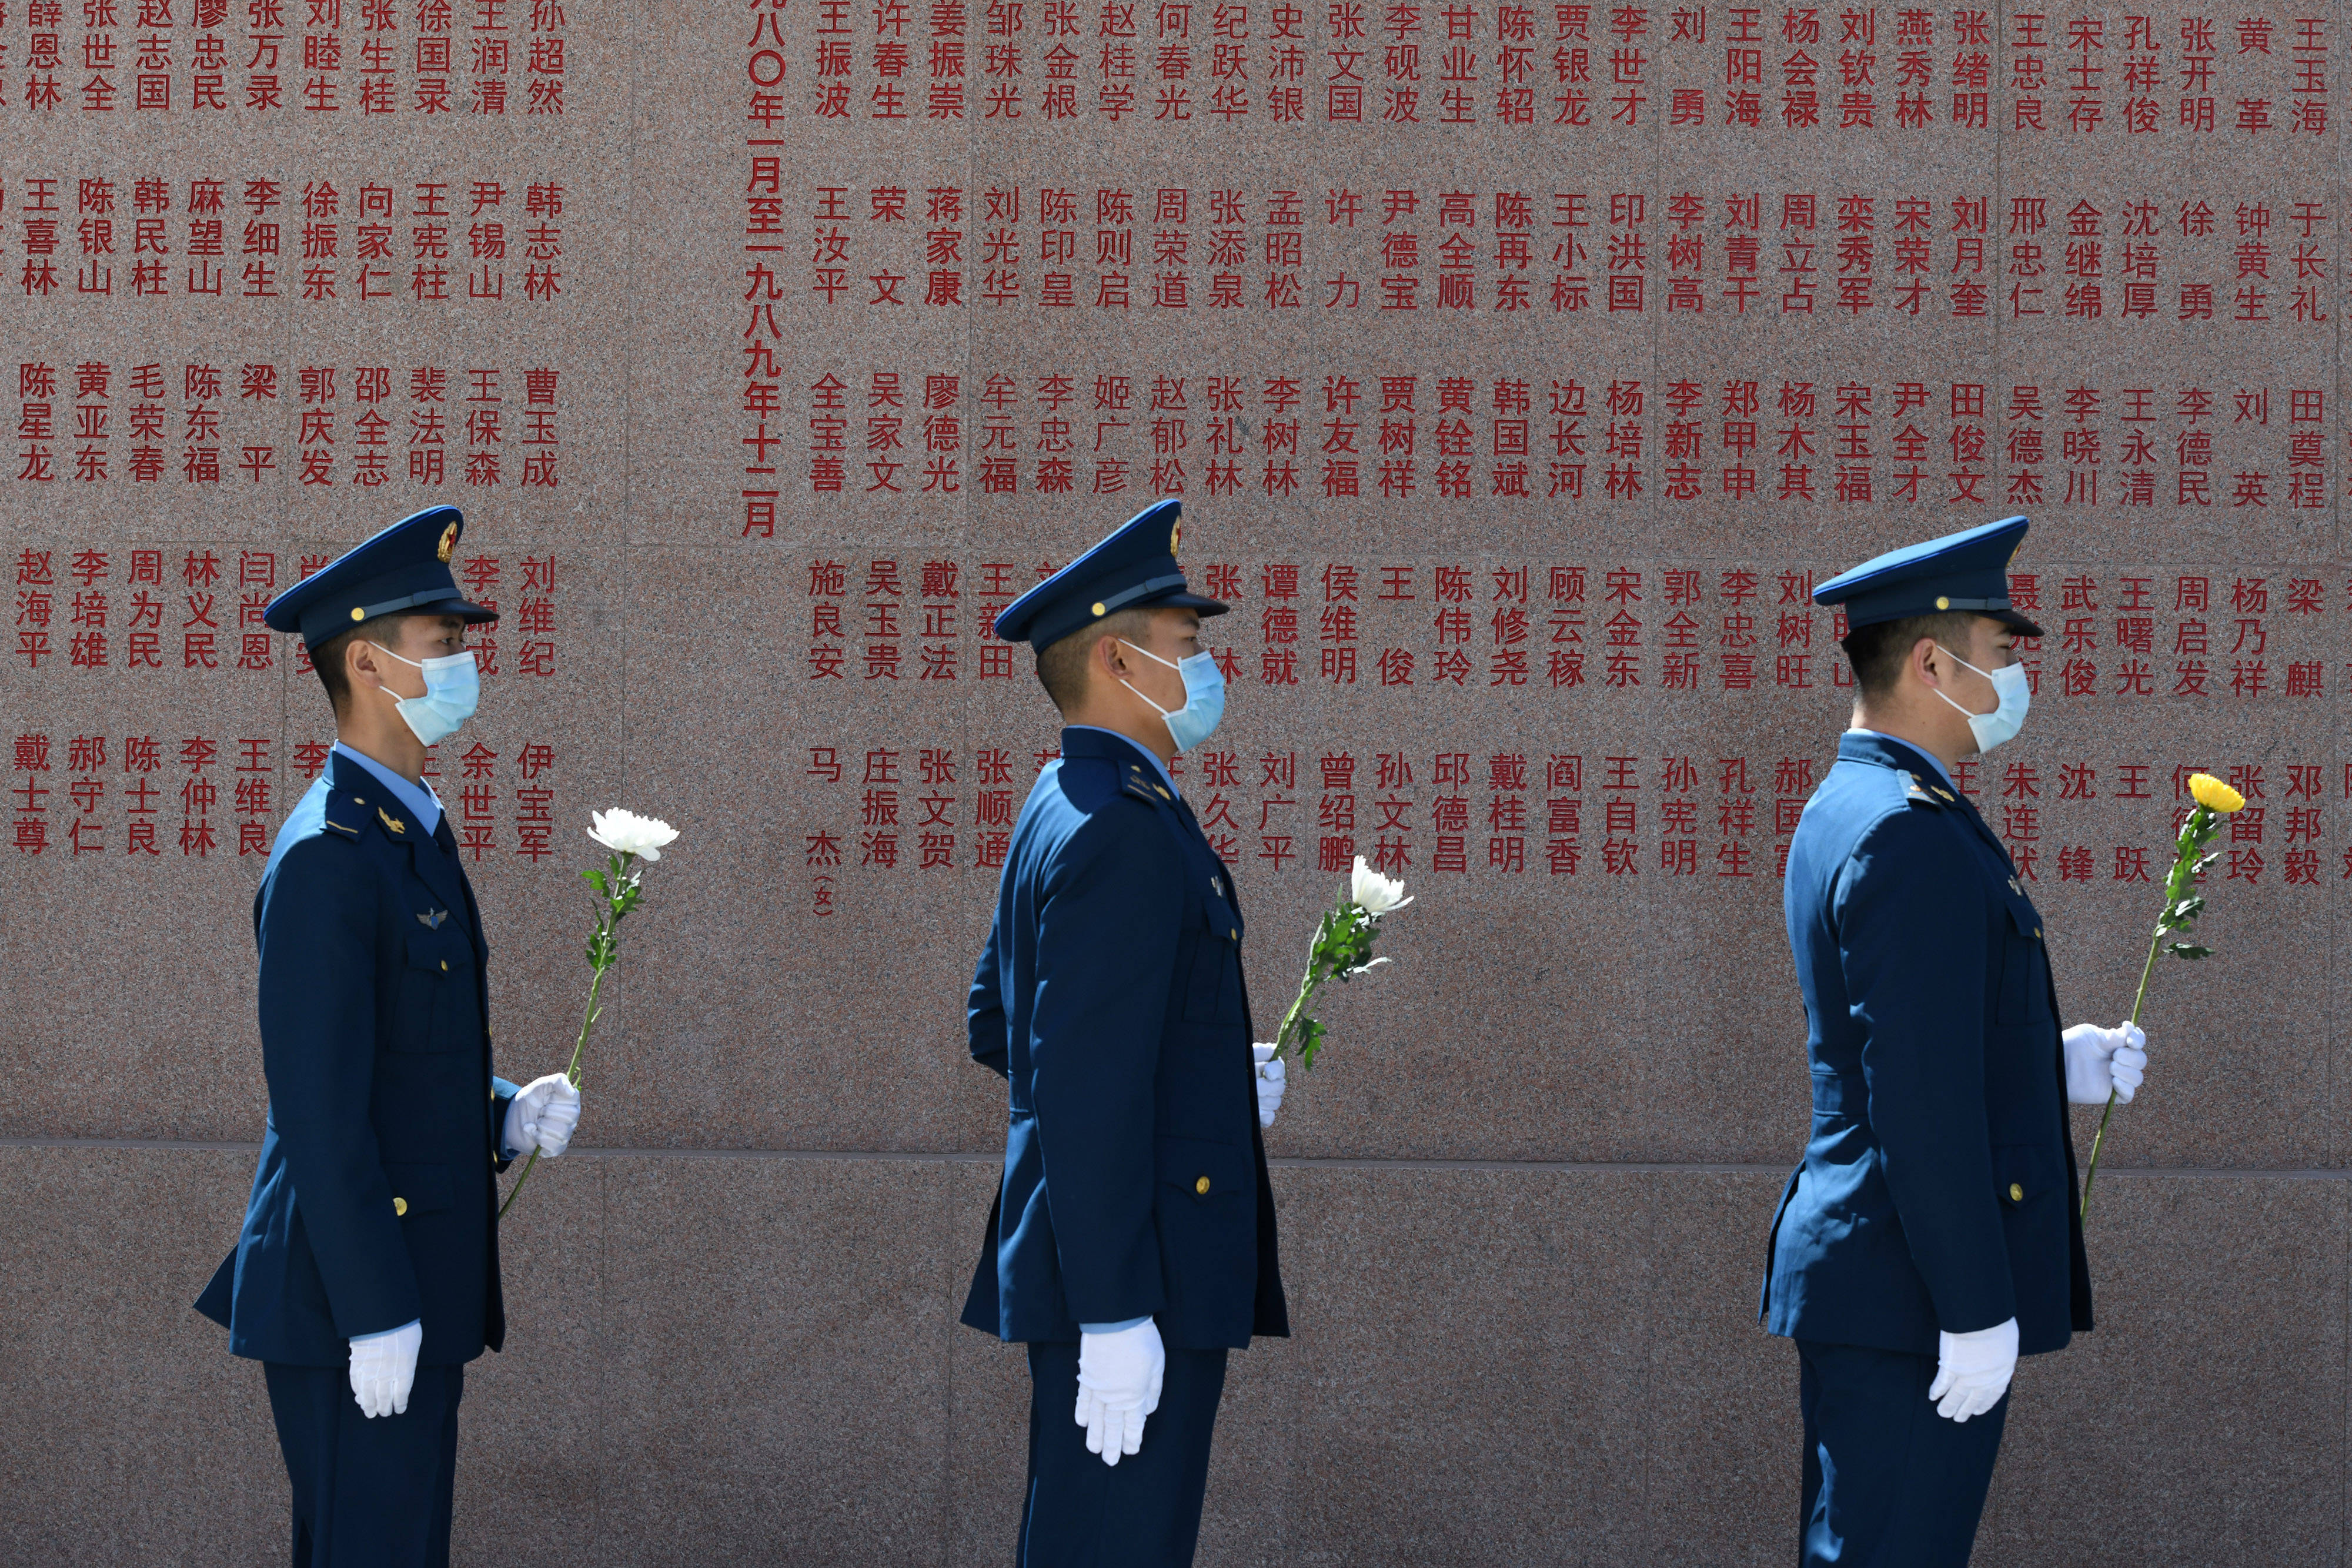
(1923, 649)
(357, 655)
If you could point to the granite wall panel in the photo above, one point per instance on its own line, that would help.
(1520, 368)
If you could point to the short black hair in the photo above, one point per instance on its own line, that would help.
(1062, 665)
(327, 658)
(1877, 651)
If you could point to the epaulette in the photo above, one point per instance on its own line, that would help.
(1140, 784)
(351, 833)
(1925, 794)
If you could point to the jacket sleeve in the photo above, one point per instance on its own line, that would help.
(1108, 931)
(502, 1094)
(984, 1013)
(318, 995)
(1909, 913)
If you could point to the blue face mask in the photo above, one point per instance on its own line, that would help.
(452, 686)
(1205, 697)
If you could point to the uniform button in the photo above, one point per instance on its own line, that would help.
(1233, 933)
(1217, 884)
(444, 966)
(2037, 936)
(1202, 1187)
(399, 1205)
(2016, 1193)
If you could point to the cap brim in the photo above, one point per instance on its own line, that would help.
(464, 610)
(2016, 622)
(1183, 599)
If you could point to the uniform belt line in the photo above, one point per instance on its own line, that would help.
(1284, 1162)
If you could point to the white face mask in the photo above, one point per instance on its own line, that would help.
(453, 685)
(2006, 719)
(1204, 697)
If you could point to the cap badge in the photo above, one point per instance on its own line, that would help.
(448, 541)
(1176, 537)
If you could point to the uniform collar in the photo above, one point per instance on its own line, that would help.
(1884, 752)
(1093, 741)
(419, 798)
(1896, 748)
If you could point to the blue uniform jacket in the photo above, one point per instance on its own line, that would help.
(373, 1204)
(1937, 1190)
(1110, 998)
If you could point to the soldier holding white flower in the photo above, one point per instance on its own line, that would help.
(1133, 1243)
(366, 1273)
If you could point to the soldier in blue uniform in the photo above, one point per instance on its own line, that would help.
(1930, 1238)
(1132, 1241)
(367, 1274)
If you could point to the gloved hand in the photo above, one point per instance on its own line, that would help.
(383, 1369)
(1972, 1370)
(542, 1115)
(1271, 1081)
(1119, 1385)
(2098, 1059)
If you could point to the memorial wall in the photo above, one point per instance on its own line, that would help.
(1520, 366)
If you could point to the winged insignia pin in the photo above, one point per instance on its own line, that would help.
(431, 922)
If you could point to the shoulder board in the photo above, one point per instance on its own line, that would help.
(1141, 783)
(1920, 794)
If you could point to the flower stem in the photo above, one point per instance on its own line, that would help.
(2185, 853)
(605, 921)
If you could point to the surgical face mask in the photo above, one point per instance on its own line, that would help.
(2003, 723)
(1204, 697)
(452, 686)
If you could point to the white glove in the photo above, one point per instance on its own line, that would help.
(1972, 1370)
(383, 1369)
(1119, 1385)
(1271, 1081)
(2100, 1059)
(542, 1114)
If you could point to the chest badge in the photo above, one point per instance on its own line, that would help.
(391, 824)
(432, 921)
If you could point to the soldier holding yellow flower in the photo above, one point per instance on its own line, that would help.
(1931, 1235)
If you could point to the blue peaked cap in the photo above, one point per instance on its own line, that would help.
(1968, 571)
(1134, 567)
(403, 568)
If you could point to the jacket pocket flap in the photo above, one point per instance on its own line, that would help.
(2023, 1172)
(443, 952)
(418, 1186)
(1223, 920)
(2024, 919)
(1204, 1169)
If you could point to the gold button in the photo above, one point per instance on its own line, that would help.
(400, 1206)
(1202, 1187)
(1942, 603)
(1233, 933)
(1098, 609)
(444, 966)
(2037, 934)
(2016, 1193)
(358, 613)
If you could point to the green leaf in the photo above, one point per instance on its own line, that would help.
(593, 878)
(1310, 1040)
(2184, 950)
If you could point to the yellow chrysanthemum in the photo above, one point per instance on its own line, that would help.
(2214, 795)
